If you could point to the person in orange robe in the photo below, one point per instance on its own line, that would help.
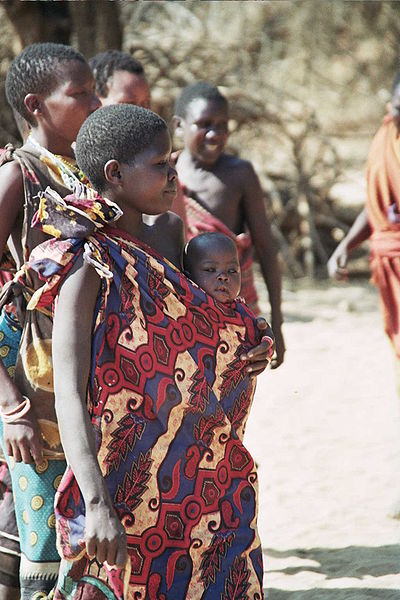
(379, 221)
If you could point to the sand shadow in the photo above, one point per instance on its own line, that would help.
(336, 563)
(333, 594)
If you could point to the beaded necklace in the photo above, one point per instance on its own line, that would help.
(68, 172)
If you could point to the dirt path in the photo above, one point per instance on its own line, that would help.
(325, 431)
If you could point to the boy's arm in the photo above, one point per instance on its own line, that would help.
(104, 534)
(22, 438)
(264, 245)
(358, 233)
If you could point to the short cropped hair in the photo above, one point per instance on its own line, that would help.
(36, 70)
(199, 89)
(106, 63)
(192, 250)
(119, 132)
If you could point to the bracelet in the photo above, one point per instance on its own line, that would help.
(16, 413)
(270, 341)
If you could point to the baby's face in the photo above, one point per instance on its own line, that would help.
(217, 271)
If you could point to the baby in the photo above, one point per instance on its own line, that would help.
(211, 260)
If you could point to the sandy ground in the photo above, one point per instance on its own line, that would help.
(325, 432)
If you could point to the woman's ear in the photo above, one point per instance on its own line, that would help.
(112, 172)
(32, 104)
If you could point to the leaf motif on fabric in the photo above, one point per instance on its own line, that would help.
(234, 373)
(199, 393)
(237, 584)
(134, 484)
(130, 428)
(240, 408)
(204, 430)
(212, 557)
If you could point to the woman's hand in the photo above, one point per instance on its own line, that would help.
(260, 356)
(23, 440)
(105, 535)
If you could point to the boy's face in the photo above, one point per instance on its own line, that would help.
(217, 271)
(127, 88)
(149, 184)
(205, 130)
(65, 109)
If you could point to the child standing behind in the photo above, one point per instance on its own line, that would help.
(223, 193)
(152, 393)
(52, 89)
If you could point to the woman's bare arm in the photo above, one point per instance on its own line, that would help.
(22, 439)
(358, 233)
(73, 319)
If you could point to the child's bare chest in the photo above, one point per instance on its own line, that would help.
(219, 194)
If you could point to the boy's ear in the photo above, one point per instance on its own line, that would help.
(112, 172)
(178, 123)
(32, 103)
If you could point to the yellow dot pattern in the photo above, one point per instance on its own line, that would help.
(4, 350)
(34, 508)
(23, 483)
(33, 538)
(37, 502)
(57, 482)
(51, 521)
(44, 465)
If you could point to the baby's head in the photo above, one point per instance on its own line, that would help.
(211, 260)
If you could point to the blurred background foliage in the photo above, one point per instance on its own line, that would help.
(307, 80)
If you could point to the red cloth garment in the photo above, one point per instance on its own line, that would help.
(383, 209)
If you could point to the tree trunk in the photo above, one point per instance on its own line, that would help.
(96, 26)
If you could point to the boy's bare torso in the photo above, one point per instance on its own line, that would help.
(220, 189)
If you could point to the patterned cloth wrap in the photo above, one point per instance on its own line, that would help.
(34, 486)
(10, 336)
(168, 397)
(200, 220)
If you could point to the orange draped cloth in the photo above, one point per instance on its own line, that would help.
(383, 209)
